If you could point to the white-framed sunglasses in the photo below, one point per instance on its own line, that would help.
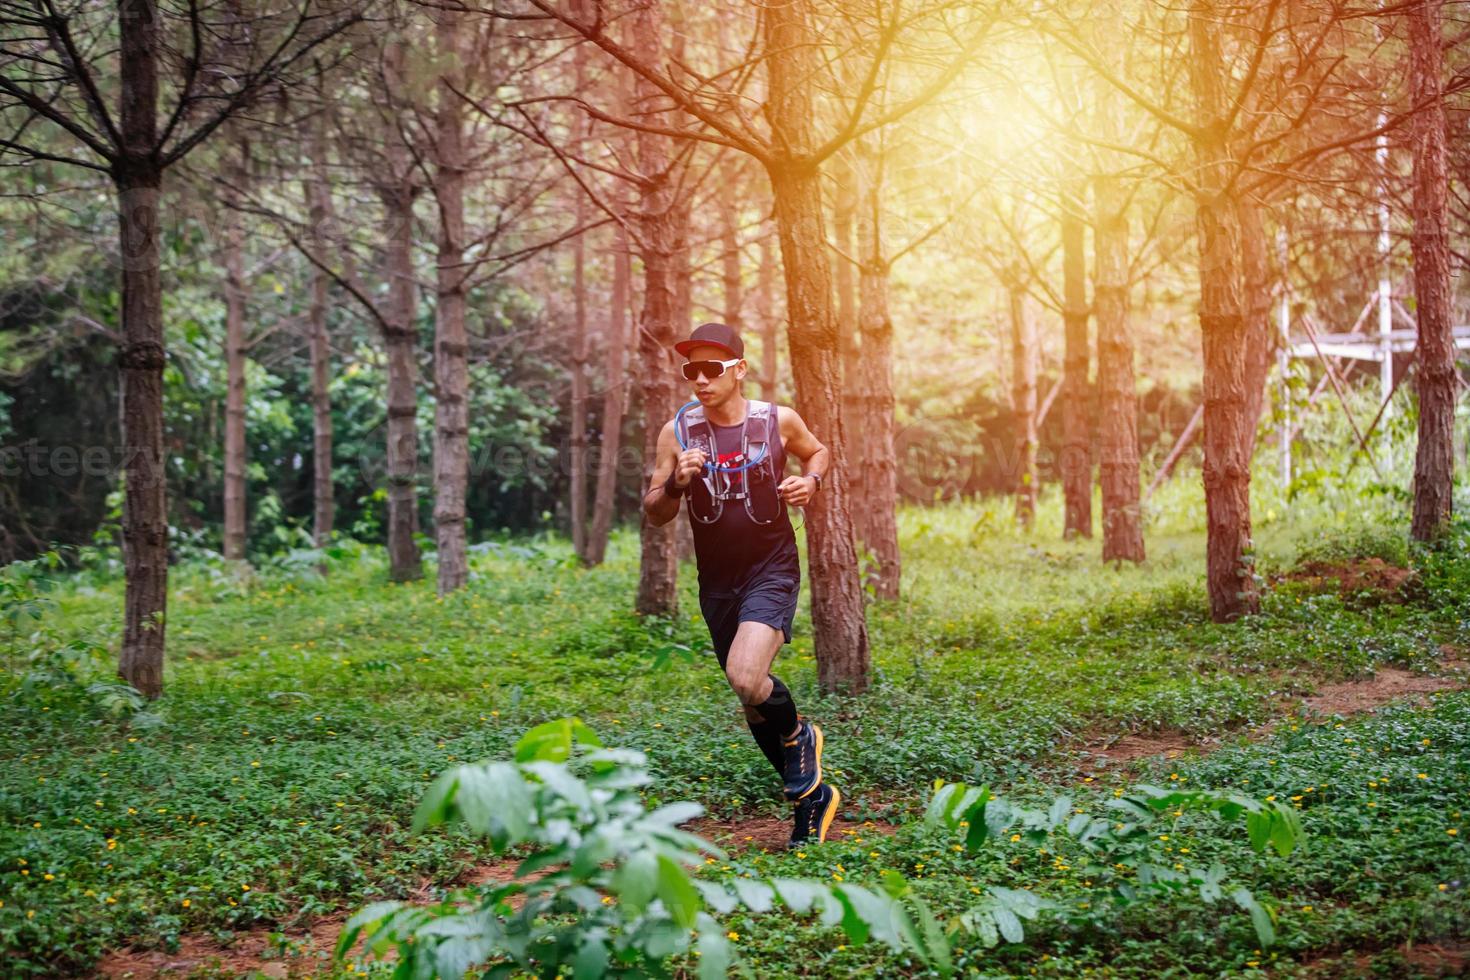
(710, 369)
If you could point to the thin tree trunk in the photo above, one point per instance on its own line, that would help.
(1434, 460)
(659, 559)
(451, 342)
(1023, 401)
(838, 617)
(730, 277)
(141, 358)
(682, 271)
(1076, 460)
(323, 502)
(766, 296)
(1230, 575)
(614, 402)
(1122, 523)
(400, 339)
(874, 512)
(577, 485)
(235, 348)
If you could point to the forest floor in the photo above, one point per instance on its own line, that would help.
(270, 794)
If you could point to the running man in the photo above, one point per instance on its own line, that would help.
(729, 456)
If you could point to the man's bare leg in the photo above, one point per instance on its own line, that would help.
(748, 667)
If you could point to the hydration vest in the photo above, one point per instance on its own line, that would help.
(755, 485)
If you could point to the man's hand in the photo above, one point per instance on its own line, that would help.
(797, 491)
(688, 465)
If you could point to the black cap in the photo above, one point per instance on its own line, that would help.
(713, 335)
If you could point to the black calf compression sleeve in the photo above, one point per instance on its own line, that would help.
(769, 740)
(778, 709)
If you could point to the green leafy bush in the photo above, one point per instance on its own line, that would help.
(1119, 855)
(605, 888)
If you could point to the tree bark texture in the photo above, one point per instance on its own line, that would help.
(1076, 460)
(235, 350)
(657, 221)
(839, 627)
(451, 342)
(1230, 573)
(614, 402)
(1434, 460)
(874, 511)
(1023, 401)
(323, 499)
(141, 358)
(1122, 521)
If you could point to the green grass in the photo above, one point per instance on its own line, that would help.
(304, 717)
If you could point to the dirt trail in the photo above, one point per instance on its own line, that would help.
(1389, 685)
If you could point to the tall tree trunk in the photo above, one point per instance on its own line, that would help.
(874, 512)
(614, 402)
(1023, 400)
(451, 342)
(1434, 459)
(848, 176)
(323, 502)
(766, 296)
(1122, 523)
(838, 616)
(1229, 574)
(141, 357)
(235, 350)
(400, 339)
(659, 560)
(1076, 461)
(1261, 336)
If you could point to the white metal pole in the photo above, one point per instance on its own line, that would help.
(1283, 361)
(1385, 284)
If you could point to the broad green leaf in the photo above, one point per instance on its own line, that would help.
(942, 803)
(1008, 924)
(636, 881)
(553, 741)
(1258, 828)
(562, 783)
(591, 960)
(755, 895)
(719, 898)
(714, 955)
(895, 884)
(798, 895)
(674, 814)
(494, 799)
(437, 806)
(936, 942)
(678, 895)
(880, 917)
(1261, 917)
(367, 921)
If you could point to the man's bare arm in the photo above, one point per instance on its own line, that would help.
(657, 504)
(815, 459)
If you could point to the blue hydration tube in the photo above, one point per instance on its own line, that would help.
(713, 467)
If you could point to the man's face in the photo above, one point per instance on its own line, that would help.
(713, 391)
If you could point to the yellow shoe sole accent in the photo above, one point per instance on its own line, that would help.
(818, 733)
(829, 815)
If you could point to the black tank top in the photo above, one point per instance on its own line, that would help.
(736, 551)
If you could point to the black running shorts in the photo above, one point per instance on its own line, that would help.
(769, 599)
